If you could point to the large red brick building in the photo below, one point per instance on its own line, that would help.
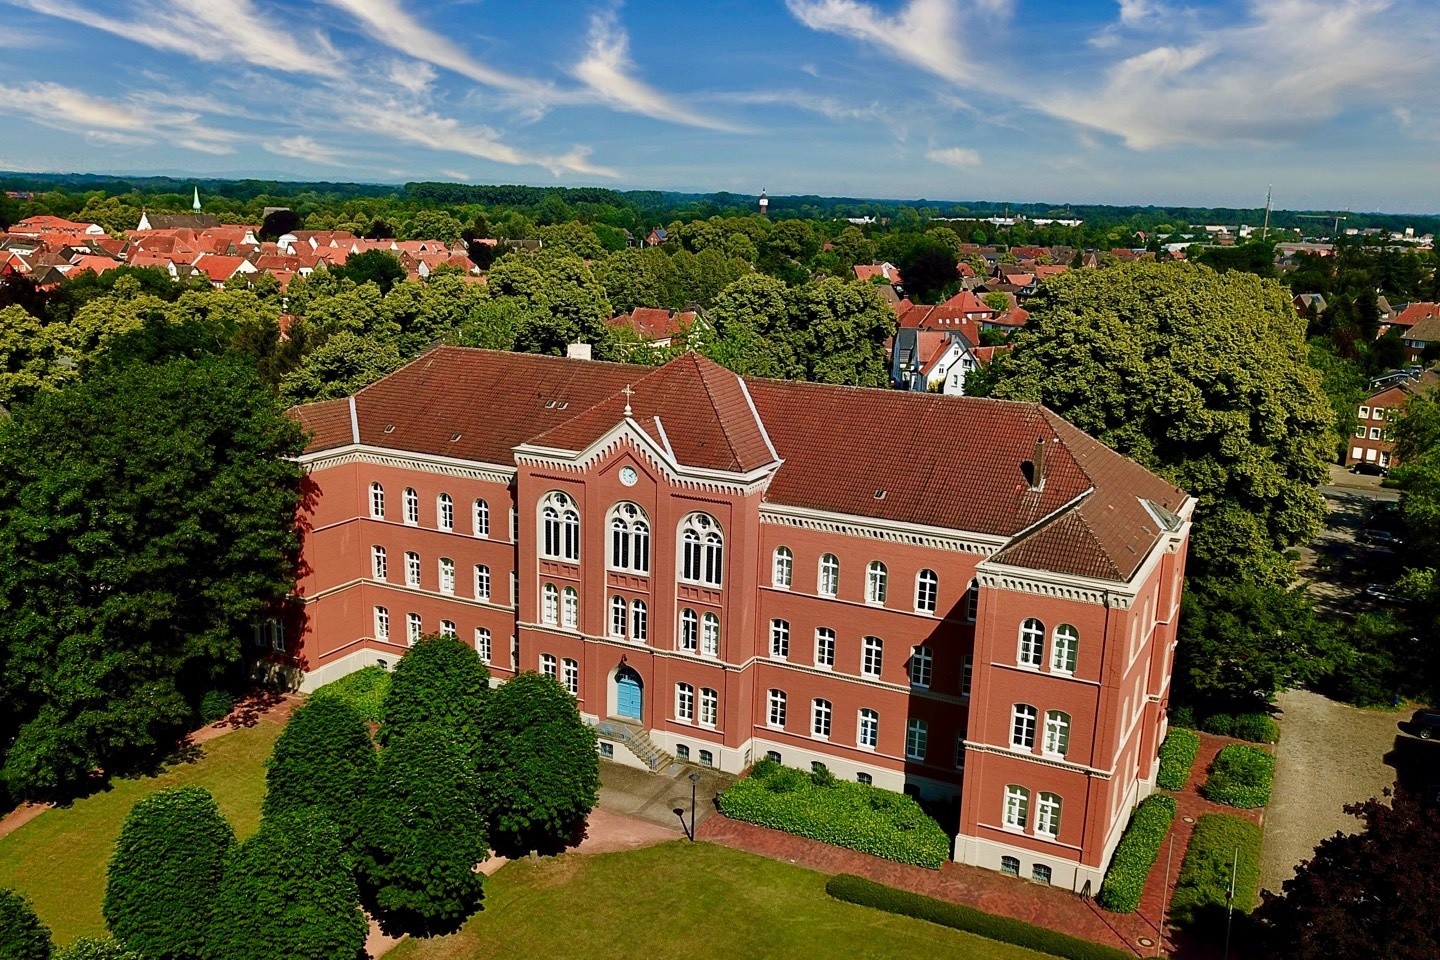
(962, 598)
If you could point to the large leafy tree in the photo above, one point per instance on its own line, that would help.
(1203, 378)
(424, 832)
(288, 891)
(162, 877)
(846, 324)
(442, 682)
(1375, 893)
(22, 935)
(147, 517)
(324, 760)
(754, 330)
(1417, 448)
(540, 769)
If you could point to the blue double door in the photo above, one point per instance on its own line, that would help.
(627, 695)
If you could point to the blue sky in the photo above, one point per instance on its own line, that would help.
(1120, 101)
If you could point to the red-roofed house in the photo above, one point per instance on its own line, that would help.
(931, 360)
(221, 268)
(883, 272)
(1372, 442)
(657, 326)
(1424, 335)
(1412, 313)
(720, 569)
(94, 264)
(45, 226)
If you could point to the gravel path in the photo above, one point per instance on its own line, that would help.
(1330, 754)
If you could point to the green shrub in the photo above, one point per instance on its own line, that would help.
(364, 690)
(867, 893)
(162, 877)
(1199, 896)
(215, 706)
(22, 935)
(1136, 853)
(1182, 717)
(1255, 727)
(853, 815)
(440, 680)
(326, 760)
(88, 948)
(1241, 776)
(1177, 756)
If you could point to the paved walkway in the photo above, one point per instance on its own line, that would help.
(656, 797)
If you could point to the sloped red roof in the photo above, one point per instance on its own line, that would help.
(1043, 270)
(1414, 313)
(966, 302)
(655, 323)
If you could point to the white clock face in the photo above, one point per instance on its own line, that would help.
(628, 476)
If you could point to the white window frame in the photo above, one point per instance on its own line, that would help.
(447, 576)
(1023, 721)
(1047, 815)
(559, 527)
(379, 563)
(776, 703)
(779, 639)
(480, 518)
(550, 605)
(824, 648)
(689, 631)
(917, 739)
(867, 729)
(377, 501)
(482, 581)
(782, 568)
(382, 624)
(570, 676)
(414, 627)
(822, 712)
(570, 608)
(702, 550)
(639, 621)
(827, 582)
(1017, 808)
(412, 568)
(1057, 733)
(877, 583)
(412, 507)
(447, 629)
(872, 657)
(1030, 645)
(484, 644)
(1365, 413)
(1374, 433)
(709, 707)
(1064, 649)
(709, 634)
(445, 512)
(972, 602)
(629, 548)
(927, 591)
(549, 666)
(685, 702)
(922, 667)
(619, 616)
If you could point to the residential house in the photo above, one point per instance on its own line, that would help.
(1372, 442)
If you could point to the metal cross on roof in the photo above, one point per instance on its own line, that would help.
(628, 394)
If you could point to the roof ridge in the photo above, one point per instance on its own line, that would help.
(703, 372)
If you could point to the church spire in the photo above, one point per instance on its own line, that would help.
(196, 205)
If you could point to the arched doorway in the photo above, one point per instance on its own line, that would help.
(628, 688)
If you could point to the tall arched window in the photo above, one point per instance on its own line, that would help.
(702, 550)
(921, 666)
(445, 512)
(1047, 815)
(689, 630)
(868, 734)
(876, 582)
(1022, 726)
(482, 582)
(927, 591)
(412, 569)
(1057, 733)
(775, 715)
(570, 676)
(447, 575)
(482, 644)
(1017, 807)
(782, 568)
(619, 614)
(560, 519)
(779, 639)
(820, 713)
(379, 563)
(377, 501)
(639, 622)
(872, 654)
(550, 604)
(412, 506)
(629, 539)
(917, 739)
(710, 635)
(1032, 643)
(829, 575)
(570, 608)
(480, 518)
(972, 601)
(1065, 649)
(382, 623)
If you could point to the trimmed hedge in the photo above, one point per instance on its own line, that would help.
(89, 948)
(324, 759)
(364, 690)
(853, 815)
(867, 893)
(1135, 854)
(1177, 756)
(1255, 727)
(1205, 873)
(1241, 777)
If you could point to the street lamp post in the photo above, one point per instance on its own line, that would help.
(694, 779)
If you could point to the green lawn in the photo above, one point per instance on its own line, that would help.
(59, 858)
(680, 900)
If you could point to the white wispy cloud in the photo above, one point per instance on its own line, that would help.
(305, 148)
(209, 30)
(954, 156)
(112, 121)
(826, 106)
(610, 75)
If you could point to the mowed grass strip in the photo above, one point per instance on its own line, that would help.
(687, 902)
(58, 859)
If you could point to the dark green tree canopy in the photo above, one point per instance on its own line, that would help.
(167, 863)
(324, 760)
(22, 935)
(440, 681)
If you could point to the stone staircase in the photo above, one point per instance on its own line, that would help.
(638, 743)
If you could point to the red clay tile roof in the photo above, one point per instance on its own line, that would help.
(967, 302)
(948, 462)
(655, 323)
(1414, 313)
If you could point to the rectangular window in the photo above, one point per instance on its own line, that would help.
(960, 752)
(482, 582)
(1374, 433)
(967, 671)
(917, 736)
(548, 665)
(820, 718)
(776, 717)
(824, 647)
(1364, 413)
(709, 707)
(871, 658)
(607, 750)
(1360, 433)
(514, 589)
(684, 702)
(414, 627)
(972, 601)
(779, 639)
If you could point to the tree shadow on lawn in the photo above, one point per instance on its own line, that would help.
(513, 846)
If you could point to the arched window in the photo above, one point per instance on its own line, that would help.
(379, 563)
(927, 591)
(639, 622)
(824, 647)
(702, 550)
(710, 635)
(1065, 649)
(561, 527)
(445, 512)
(447, 628)
(480, 518)
(548, 664)
(689, 631)
(414, 627)
(550, 604)
(820, 712)
(829, 575)
(412, 569)
(972, 601)
(482, 582)
(868, 734)
(1017, 808)
(570, 676)
(709, 707)
(377, 501)
(782, 568)
(917, 738)
(1022, 726)
(1047, 815)
(685, 702)
(775, 716)
(382, 623)
(629, 539)
(921, 665)
(872, 656)
(619, 613)
(1057, 733)
(876, 582)
(779, 639)
(482, 644)
(1032, 643)
(447, 575)
(412, 506)
(570, 608)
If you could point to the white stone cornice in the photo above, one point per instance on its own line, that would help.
(977, 747)
(1062, 586)
(407, 460)
(937, 538)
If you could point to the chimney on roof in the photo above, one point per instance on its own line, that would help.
(1034, 468)
(579, 351)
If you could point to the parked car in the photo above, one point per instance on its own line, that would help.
(1383, 592)
(1373, 469)
(1379, 538)
(1426, 723)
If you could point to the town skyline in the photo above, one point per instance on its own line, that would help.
(1100, 102)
